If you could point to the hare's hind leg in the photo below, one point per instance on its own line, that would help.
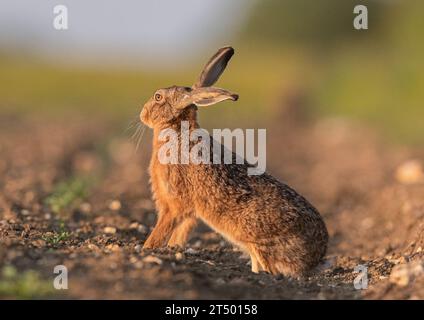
(272, 260)
(255, 264)
(269, 260)
(258, 263)
(181, 233)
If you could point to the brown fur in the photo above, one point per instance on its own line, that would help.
(280, 230)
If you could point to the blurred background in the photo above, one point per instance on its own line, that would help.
(115, 54)
(343, 109)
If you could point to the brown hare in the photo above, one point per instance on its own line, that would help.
(280, 230)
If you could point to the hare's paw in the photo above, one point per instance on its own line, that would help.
(153, 243)
(255, 264)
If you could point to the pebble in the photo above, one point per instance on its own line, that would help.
(133, 259)
(142, 229)
(113, 247)
(115, 205)
(410, 172)
(403, 274)
(109, 230)
(93, 247)
(139, 227)
(197, 244)
(152, 259)
(137, 248)
(190, 251)
(85, 207)
(134, 225)
(179, 256)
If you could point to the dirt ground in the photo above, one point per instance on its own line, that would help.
(75, 193)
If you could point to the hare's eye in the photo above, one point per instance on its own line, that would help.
(158, 97)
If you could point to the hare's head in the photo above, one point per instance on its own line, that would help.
(174, 104)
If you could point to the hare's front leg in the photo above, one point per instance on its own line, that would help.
(162, 231)
(181, 233)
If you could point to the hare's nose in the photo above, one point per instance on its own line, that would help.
(143, 113)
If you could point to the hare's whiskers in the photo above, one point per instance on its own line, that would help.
(140, 138)
(136, 133)
(132, 124)
(137, 128)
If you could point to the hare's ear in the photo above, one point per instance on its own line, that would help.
(203, 97)
(214, 68)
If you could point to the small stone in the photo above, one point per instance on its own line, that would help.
(115, 205)
(109, 230)
(142, 228)
(403, 274)
(152, 259)
(134, 225)
(113, 247)
(190, 251)
(137, 248)
(179, 256)
(25, 212)
(410, 172)
(93, 247)
(85, 207)
(139, 227)
(47, 216)
(197, 244)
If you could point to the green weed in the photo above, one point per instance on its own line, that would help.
(23, 285)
